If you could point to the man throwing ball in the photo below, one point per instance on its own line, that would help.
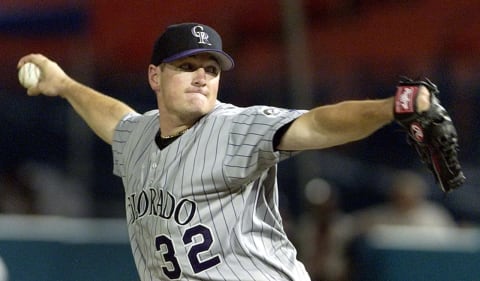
(199, 175)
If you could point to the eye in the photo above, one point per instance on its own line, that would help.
(187, 67)
(212, 70)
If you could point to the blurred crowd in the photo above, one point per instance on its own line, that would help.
(329, 235)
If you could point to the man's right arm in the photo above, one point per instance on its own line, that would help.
(102, 113)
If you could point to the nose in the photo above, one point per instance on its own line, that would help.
(200, 77)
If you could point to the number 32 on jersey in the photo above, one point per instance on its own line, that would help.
(165, 245)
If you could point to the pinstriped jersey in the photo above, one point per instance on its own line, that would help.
(206, 206)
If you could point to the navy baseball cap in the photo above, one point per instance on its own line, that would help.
(187, 39)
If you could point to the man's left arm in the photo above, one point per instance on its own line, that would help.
(344, 122)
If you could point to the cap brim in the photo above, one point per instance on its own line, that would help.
(224, 60)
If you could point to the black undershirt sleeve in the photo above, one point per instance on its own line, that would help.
(279, 134)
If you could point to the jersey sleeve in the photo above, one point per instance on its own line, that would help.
(123, 131)
(251, 144)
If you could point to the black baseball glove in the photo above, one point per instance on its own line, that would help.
(431, 132)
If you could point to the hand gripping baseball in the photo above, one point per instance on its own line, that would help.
(51, 81)
(431, 132)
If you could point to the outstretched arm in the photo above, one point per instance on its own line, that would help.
(102, 113)
(340, 123)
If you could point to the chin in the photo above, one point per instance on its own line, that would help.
(202, 105)
(205, 110)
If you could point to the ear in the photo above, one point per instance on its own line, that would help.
(154, 76)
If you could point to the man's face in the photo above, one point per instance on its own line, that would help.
(187, 88)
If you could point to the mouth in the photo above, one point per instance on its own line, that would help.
(197, 91)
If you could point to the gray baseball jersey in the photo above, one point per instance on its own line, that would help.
(206, 206)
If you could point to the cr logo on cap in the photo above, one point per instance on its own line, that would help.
(198, 32)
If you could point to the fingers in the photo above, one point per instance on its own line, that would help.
(24, 60)
(37, 59)
(33, 91)
(53, 79)
(423, 99)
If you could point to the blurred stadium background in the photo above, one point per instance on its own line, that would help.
(288, 53)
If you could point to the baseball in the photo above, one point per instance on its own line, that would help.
(29, 75)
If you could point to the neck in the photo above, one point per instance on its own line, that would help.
(172, 128)
(175, 133)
